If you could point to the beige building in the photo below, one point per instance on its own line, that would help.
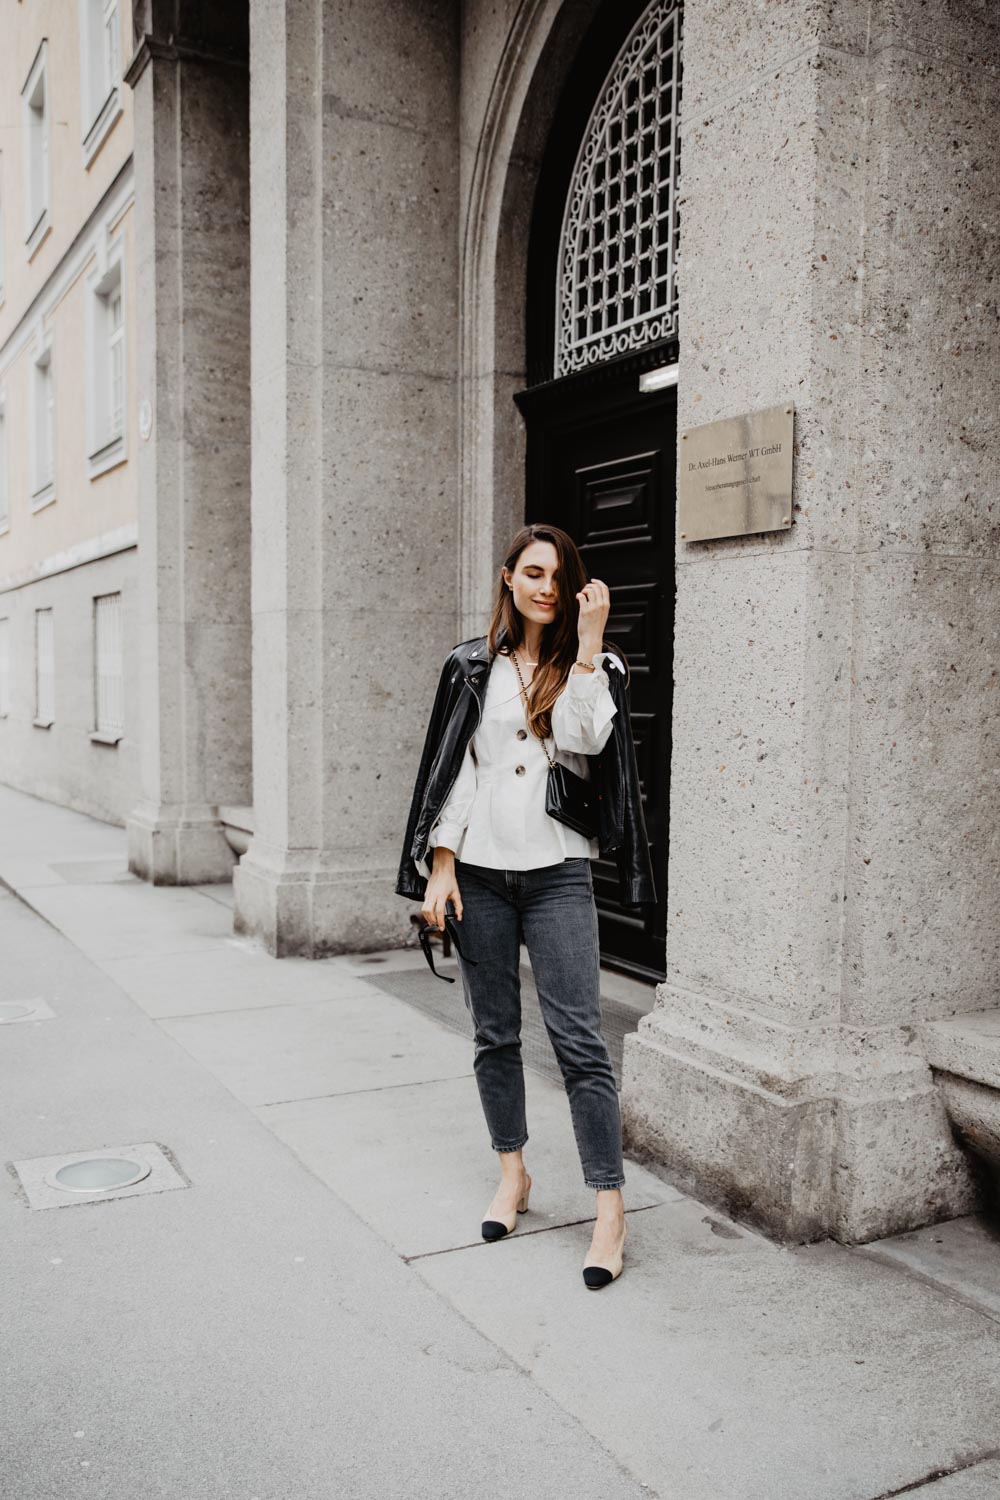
(68, 426)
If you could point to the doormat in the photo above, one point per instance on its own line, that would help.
(446, 1003)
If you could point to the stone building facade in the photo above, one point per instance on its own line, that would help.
(411, 272)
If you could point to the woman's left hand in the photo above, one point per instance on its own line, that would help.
(594, 600)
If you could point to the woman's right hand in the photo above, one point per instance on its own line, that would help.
(441, 888)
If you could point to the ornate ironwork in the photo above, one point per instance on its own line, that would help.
(617, 285)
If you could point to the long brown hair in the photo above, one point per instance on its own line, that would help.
(560, 641)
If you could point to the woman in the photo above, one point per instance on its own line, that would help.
(482, 850)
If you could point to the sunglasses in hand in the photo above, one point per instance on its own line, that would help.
(451, 926)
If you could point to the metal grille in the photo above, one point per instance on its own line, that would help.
(618, 250)
(5, 665)
(44, 666)
(111, 43)
(109, 710)
(4, 517)
(116, 342)
(45, 416)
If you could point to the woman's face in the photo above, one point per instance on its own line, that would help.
(534, 581)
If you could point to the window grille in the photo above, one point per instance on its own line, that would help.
(108, 686)
(45, 417)
(3, 227)
(44, 666)
(116, 342)
(38, 153)
(4, 506)
(618, 248)
(111, 43)
(5, 666)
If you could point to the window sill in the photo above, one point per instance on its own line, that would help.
(106, 736)
(37, 235)
(43, 497)
(4, 527)
(43, 723)
(102, 126)
(109, 456)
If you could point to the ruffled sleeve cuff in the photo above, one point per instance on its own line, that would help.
(582, 714)
(582, 684)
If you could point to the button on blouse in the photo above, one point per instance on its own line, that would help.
(495, 814)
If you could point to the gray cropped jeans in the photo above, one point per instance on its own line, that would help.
(552, 909)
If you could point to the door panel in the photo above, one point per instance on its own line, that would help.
(601, 463)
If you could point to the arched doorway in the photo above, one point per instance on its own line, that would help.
(601, 316)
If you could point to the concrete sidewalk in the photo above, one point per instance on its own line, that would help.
(307, 1309)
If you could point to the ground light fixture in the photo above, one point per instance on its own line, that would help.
(98, 1174)
(101, 1174)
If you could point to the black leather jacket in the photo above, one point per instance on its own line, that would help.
(454, 719)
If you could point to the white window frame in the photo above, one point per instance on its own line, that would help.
(3, 231)
(109, 670)
(4, 480)
(5, 629)
(100, 73)
(36, 119)
(43, 427)
(45, 680)
(106, 442)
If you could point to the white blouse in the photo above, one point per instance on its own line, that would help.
(495, 814)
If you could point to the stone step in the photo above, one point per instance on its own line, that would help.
(964, 1055)
(967, 1045)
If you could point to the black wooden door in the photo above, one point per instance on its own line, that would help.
(601, 463)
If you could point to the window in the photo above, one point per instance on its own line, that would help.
(44, 489)
(116, 359)
(100, 80)
(616, 288)
(3, 229)
(4, 502)
(44, 669)
(109, 715)
(106, 358)
(36, 111)
(4, 668)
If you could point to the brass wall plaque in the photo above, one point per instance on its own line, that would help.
(736, 475)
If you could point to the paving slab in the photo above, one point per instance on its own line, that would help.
(247, 1337)
(426, 1172)
(308, 1318)
(234, 974)
(126, 921)
(725, 1366)
(358, 1041)
(961, 1254)
(33, 826)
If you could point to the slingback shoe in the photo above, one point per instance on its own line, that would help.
(597, 1276)
(495, 1229)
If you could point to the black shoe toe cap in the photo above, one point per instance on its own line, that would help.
(597, 1275)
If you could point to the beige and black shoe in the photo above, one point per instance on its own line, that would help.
(495, 1229)
(595, 1276)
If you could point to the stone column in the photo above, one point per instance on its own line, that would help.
(190, 77)
(354, 266)
(834, 871)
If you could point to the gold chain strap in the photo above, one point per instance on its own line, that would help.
(525, 698)
(524, 694)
